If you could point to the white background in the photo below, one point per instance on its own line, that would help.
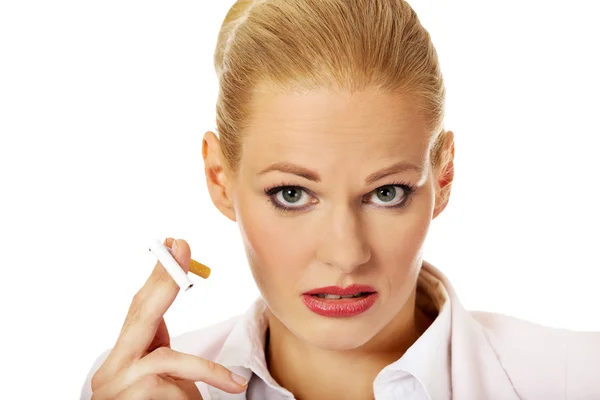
(102, 110)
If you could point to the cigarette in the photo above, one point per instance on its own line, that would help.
(196, 268)
(163, 253)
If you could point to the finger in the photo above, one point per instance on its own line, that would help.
(106, 372)
(145, 314)
(150, 387)
(167, 362)
(161, 338)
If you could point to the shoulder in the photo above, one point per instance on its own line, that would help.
(206, 343)
(537, 357)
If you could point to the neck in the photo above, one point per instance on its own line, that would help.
(339, 374)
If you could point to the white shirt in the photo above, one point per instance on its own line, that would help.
(462, 355)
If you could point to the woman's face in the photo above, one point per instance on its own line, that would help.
(335, 189)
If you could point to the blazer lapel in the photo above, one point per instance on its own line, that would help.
(477, 374)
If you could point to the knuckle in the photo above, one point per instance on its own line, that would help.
(140, 310)
(96, 381)
(100, 377)
(135, 308)
(211, 366)
(162, 354)
(136, 300)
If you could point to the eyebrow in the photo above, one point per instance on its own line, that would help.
(292, 169)
(306, 173)
(401, 166)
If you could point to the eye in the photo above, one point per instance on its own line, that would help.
(289, 197)
(389, 196)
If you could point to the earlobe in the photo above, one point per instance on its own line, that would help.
(445, 176)
(217, 180)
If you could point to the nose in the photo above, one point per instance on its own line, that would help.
(343, 243)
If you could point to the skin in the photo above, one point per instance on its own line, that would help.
(341, 232)
(141, 364)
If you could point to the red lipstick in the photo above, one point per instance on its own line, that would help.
(335, 301)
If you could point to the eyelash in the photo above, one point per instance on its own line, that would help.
(270, 192)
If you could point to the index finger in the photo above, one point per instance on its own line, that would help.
(146, 311)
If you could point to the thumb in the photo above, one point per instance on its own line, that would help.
(180, 250)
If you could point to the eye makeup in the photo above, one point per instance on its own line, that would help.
(274, 191)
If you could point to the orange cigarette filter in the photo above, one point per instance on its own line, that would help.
(199, 269)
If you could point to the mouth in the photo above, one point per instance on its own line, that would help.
(334, 301)
(336, 297)
(337, 291)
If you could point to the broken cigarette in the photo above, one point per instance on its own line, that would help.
(163, 253)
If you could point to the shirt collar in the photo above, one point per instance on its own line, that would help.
(428, 359)
(244, 349)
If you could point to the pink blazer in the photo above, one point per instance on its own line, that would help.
(499, 357)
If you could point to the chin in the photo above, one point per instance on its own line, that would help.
(336, 334)
(328, 333)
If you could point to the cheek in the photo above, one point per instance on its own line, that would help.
(400, 249)
(272, 243)
(411, 235)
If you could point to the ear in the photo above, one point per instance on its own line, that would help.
(444, 174)
(218, 178)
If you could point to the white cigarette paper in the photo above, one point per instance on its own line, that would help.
(163, 254)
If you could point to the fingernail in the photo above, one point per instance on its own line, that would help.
(174, 247)
(238, 379)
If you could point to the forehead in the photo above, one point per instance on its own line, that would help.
(338, 127)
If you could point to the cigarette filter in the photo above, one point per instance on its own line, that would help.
(199, 269)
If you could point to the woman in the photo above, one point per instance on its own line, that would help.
(333, 160)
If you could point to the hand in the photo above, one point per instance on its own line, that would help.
(142, 364)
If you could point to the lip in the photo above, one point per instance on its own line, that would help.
(337, 308)
(339, 291)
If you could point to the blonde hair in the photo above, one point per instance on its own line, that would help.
(310, 44)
